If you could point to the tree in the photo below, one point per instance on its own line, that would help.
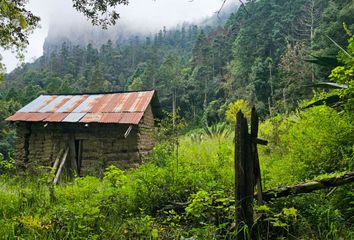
(99, 11)
(296, 74)
(171, 78)
(16, 23)
(97, 82)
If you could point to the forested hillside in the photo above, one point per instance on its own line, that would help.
(258, 55)
(292, 60)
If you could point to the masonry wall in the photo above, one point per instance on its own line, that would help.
(102, 144)
(145, 133)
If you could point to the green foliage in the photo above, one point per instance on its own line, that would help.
(170, 127)
(344, 74)
(285, 218)
(155, 201)
(321, 140)
(200, 68)
(17, 23)
(115, 176)
(99, 12)
(6, 166)
(7, 133)
(239, 105)
(206, 208)
(316, 141)
(122, 203)
(220, 131)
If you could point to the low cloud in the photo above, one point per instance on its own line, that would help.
(143, 16)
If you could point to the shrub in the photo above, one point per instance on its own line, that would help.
(233, 108)
(316, 141)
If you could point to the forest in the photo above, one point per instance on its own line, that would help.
(292, 60)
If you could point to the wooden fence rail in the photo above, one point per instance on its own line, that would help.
(309, 186)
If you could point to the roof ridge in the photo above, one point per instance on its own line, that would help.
(95, 93)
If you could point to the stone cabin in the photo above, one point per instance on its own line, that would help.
(86, 133)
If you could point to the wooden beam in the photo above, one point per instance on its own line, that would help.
(61, 166)
(57, 159)
(127, 132)
(261, 141)
(309, 186)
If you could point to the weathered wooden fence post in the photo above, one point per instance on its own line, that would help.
(244, 178)
(247, 172)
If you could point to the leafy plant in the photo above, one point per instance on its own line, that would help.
(219, 131)
(239, 105)
(6, 166)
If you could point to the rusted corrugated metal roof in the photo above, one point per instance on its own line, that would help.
(124, 108)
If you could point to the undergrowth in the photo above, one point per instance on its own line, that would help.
(191, 197)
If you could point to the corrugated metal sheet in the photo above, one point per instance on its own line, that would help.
(124, 108)
(74, 117)
(19, 116)
(111, 117)
(73, 102)
(56, 117)
(37, 117)
(131, 118)
(92, 117)
(35, 104)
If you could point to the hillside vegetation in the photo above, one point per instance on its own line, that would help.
(293, 60)
(160, 200)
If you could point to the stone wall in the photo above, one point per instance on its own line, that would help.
(38, 144)
(145, 134)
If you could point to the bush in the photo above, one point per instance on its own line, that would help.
(316, 141)
(6, 166)
(239, 105)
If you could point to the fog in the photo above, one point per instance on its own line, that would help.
(59, 19)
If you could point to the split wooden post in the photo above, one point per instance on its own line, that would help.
(247, 171)
(244, 182)
(254, 142)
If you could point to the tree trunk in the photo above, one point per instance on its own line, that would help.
(174, 108)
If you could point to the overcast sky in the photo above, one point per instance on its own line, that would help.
(141, 14)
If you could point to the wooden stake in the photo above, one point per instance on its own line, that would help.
(61, 166)
(243, 177)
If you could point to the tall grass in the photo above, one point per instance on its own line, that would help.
(90, 207)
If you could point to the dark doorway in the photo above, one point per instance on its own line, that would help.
(78, 154)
